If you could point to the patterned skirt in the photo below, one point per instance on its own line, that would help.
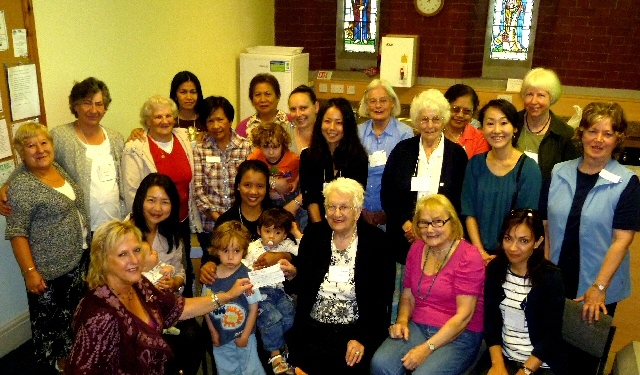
(52, 311)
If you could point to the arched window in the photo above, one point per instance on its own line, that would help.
(509, 38)
(357, 34)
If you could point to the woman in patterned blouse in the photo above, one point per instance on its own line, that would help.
(344, 285)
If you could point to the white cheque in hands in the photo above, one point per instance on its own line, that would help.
(271, 275)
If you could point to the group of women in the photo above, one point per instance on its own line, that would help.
(440, 196)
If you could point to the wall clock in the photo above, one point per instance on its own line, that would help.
(428, 7)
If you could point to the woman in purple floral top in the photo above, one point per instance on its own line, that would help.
(118, 324)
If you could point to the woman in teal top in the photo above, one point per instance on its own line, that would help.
(499, 180)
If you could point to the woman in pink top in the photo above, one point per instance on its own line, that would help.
(439, 325)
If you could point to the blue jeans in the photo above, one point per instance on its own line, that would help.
(232, 360)
(275, 317)
(453, 358)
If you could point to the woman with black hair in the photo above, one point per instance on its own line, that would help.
(156, 208)
(523, 301)
(335, 151)
(187, 93)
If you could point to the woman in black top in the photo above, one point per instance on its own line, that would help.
(335, 151)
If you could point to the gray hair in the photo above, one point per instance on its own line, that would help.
(348, 186)
(430, 99)
(543, 79)
(363, 110)
(154, 103)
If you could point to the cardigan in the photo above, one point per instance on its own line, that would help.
(50, 221)
(71, 154)
(374, 274)
(556, 146)
(399, 202)
(543, 309)
(137, 163)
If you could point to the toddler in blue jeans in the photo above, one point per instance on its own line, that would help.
(232, 326)
(276, 309)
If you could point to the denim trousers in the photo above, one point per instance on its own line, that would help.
(233, 360)
(275, 317)
(453, 358)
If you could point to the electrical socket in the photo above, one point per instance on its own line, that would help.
(337, 88)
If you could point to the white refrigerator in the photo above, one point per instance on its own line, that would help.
(287, 64)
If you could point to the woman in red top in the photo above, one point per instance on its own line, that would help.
(464, 102)
(166, 150)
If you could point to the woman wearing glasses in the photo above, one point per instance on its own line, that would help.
(420, 166)
(379, 135)
(497, 181)
(439, 325)
(340, 318)
(464, 102)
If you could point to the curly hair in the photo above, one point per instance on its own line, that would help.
(270, 134)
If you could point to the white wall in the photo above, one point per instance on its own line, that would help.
(136, 47)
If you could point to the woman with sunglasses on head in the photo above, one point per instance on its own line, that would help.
(439, 325)
(464, 102)
(523, 302)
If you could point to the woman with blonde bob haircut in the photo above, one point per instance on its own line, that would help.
(544, 137)
(121, 319)
(440, 316)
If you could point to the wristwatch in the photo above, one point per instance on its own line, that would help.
(431, 346)
(600, 287)
(526, 370)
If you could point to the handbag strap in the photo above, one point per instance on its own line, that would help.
(519, 165)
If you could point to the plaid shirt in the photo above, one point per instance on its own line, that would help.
(215, 172)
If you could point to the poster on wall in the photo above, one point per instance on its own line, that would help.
(20, 43)
(6, 168)
(5, 145)
(4, 36)
(23, 91)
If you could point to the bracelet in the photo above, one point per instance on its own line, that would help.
(526, 370)
(297, 202)
(29, 270)
(272, 183)
(216, 300)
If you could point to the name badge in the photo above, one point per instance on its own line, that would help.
(212, 159)
(610, 176)
(532, 155)
(419, 184)
(378, 158)
(106, 171)
(514, 318)
(338, 274)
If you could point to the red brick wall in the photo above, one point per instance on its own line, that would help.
(588, 42)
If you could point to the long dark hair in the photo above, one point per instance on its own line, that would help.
(180, 78)
(243, 168)
(168, 228)
(536, 262)
(349, 148)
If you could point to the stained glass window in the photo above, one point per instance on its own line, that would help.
(360, 25)
(511, 29)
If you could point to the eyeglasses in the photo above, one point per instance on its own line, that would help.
(465, 111)
(333, 208)
(435, 120)
(381, 101)
(423, 224)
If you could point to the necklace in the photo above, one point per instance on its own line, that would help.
(455, 138)
(84, 136)
(121, 296)
(526, 122)
(424, 265)
(333, 242)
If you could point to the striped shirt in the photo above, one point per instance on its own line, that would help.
(516, 344)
